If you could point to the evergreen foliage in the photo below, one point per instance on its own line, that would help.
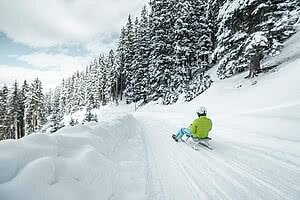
(167, 52)
(90, 117)
(249, 31)
(22, 110)
(56, 119)
(4, 123)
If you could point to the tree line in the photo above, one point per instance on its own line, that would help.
(22, 110)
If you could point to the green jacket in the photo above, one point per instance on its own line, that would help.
(201, 127)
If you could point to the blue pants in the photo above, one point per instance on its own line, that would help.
(183, 131)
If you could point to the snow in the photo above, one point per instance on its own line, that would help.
(131, 155)
(84, 162)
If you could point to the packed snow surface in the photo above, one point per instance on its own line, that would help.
(131, 155)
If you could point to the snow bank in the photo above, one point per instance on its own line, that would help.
(93, 161)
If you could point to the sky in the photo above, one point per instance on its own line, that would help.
(51, 39)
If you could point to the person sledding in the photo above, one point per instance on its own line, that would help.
(199, 129)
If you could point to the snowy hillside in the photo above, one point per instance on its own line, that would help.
(131, 155)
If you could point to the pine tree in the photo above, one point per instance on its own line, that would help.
(184, 52)
(48, 102)
(89, 117)
(142, 57)
(14, 112)
(103, 79)
(29, 112)
(112, 77)
(23, 96)
(92, 84)
(39, 100)
(161, 45)
(250, 30)
(121, 51)
(57, 116)
(70, 93)
(80, 94)
(129, 69)
(73, 122)
(4, 123)
(63, 101)
(34, 113)
(213, 9)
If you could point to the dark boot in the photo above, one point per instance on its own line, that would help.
(174, 137)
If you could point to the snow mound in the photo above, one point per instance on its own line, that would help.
(92, 161)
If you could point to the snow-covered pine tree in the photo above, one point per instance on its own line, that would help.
(79, 93)
(120, 59)
(112, 78)
(250, 30)
(213, 8)
(142, 57)
(193, 47)
(56, 120)
(29, 112)
(63, 101)
(108, 84)
(230, 38)
(183, 46)
(4, 123)
(103, 79)
(185, 43)
(129, 60)
(34, 112)
(202, 37)
(161, 48)
(73, 122)
(130, 92)
(73, 94)
(48, 102)
(70, 93)
(14, 112)
(95, 84)
(115, 76)
(92, 85)
(90, 117)
(23, 96)
(38, 101)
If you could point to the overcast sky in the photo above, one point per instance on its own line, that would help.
(51, 39)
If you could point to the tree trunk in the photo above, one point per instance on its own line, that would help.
(116, 91)
(254, 67)
(121, 87)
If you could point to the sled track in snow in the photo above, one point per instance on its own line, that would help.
(232, 170)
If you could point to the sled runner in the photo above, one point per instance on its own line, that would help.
(195, 142)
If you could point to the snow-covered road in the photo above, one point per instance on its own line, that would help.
(242, 165)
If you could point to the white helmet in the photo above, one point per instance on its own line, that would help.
(201, 111)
